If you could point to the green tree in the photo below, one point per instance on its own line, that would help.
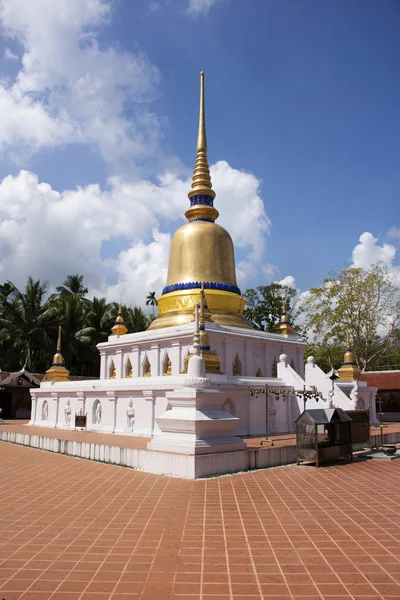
(27, 325)
(73, 286)
(134, 318)
(264, 305)
(151, 300)
(326, 355)
(363, 300)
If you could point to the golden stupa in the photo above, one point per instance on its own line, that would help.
(57, 371)
(285, 327)
(201, 253)
(349, 370)
(119, 327)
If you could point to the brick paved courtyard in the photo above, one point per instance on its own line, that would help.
(77, 530)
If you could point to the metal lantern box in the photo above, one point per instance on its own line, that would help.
(323, 434)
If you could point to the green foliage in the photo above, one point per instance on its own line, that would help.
(29, 320)
(363, 300)
(327, 356)
(151, 300)
(264, 306)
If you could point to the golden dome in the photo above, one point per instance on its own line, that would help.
(201, 253)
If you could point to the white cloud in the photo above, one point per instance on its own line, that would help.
(141, 268)
(9, 55)
(289, 281)
(394, 232)
(198, 8)
(49, 234)
(69, 89)
(369, 252)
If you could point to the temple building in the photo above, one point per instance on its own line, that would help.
(187, 382)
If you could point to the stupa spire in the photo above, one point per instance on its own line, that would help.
(57, 371)
(119, 327)
(201, 194)
(285, 327)
(349, 370)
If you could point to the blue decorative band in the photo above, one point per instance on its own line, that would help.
(196, 285)
(201, 199)
(57, 365)
(205, 347)
(349, 363)
(207, 220)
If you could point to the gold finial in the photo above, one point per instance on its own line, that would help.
(57, 371)
(285, 328)
(349, 356)
(58, 358)
(204, 310)
(201, 194)
(349, 370)
(211, 359)
(119, 326)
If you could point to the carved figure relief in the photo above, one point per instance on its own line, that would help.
(67, 413)
(130, 415)
(45, 411)
(97, 412)
(259, 373)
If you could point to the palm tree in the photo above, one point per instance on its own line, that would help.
(97, 326)
(28, 322)
(135, 319)
(151, 300)
(73, 285)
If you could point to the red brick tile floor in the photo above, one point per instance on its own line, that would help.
(72, 529)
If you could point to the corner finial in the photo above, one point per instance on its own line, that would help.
(196, 335)
(285, 328)
(119, 327)
(349, 370)
(57, 371)
(201, 194)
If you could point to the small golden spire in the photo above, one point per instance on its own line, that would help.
(57, 371)
(349, 370)
(285, 328)
(211, 359)
(201, 194)
(119, 326)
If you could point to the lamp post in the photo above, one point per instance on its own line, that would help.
(332, 375)
(277, 392)
(380, 402)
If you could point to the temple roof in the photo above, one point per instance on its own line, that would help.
(383, 380)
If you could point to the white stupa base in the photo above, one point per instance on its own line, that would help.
(196, 423)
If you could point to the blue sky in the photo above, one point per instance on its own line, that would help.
(302, 95)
